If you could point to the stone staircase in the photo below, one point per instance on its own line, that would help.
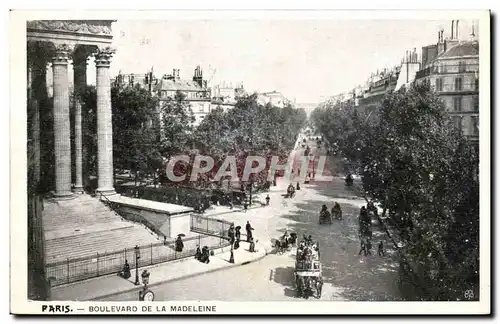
(85, 226)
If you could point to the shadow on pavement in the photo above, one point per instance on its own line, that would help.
(283, 276)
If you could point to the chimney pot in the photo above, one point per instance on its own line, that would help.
(456, 30)
(452, 28)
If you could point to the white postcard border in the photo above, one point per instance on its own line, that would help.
(18, 221)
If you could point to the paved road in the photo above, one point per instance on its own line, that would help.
(346, 275)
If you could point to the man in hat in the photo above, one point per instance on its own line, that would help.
(248, 229)
(231, 234)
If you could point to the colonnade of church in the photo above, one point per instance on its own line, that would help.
(40, 54)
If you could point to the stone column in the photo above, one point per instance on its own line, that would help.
(62, 142)
(37, 92)
(105, 183)
(80, 81)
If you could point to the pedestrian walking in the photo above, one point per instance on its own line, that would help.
(380, 250)
(231, 234)
(298, 186)
(248, 229)
(237, 233)
(267, 200)
(252, 245)
(363, 247)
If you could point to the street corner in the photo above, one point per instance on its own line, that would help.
(249, 257)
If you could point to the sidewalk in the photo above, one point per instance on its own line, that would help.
(106, 286)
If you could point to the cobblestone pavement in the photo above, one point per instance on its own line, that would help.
(347, 275)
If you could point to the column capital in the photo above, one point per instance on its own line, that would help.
(103, 56)
(62, 53)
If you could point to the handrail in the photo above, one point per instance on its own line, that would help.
(110, 204)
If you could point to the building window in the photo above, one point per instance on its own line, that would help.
(457, 122)
(442, 68)
(475, 125)
(476, 103)
(439, 84)
(476, 84)
(457, 103)
(201, 108)
(462, 66)
(458, 84)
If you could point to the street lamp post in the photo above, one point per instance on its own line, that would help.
(231, 258)
(137, 257)
(314, 162)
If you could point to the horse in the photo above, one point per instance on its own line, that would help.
(281, 245)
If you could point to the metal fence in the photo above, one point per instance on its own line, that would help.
(210, 226)
(73, 270)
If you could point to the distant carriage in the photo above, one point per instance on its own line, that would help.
(308, 276)
(325, 217)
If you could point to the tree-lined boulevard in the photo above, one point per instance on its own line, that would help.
(419, 169)
(347, 275)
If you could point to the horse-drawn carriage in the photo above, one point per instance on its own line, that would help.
(325, 217)
(308, 278)
(285, 242)
(290, 191)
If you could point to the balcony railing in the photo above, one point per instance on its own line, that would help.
(447, 69)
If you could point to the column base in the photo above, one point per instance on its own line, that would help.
(106, 191)
(78, 189)
(63, 195)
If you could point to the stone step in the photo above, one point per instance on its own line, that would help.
(97, 242)
(64, 231)
(81, 217)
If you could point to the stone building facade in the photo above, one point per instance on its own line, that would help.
(196, 91)
(452, 68)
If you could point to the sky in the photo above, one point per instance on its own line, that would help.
(306, 60)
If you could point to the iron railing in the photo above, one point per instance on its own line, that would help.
(210, 226)
(100, 264)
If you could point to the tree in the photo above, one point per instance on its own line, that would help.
(250, 129)
(88, 98)
(423, 172)
(134, 136)
(176, 126)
